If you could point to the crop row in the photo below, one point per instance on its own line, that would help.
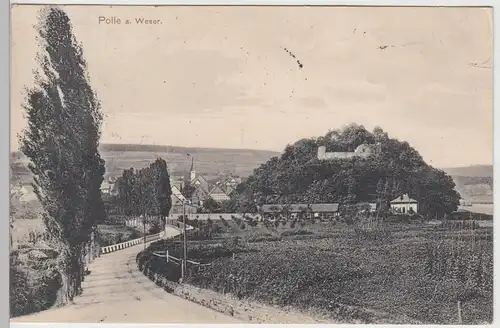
(420, 279)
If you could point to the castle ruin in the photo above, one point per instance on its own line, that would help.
(363, 151)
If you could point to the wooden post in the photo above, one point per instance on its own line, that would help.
(185, 238)
(182, 270)
(167, 255)
(459, 308)
(144, 230)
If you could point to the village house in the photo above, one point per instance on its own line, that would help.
(404, 204)
(295, 211)
(373, 207)
(180, 203)
(218, 194)
(109, 187)
(106, 187)
(229, 185)
(325, 211)
(218, 191)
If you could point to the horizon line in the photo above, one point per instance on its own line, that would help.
(245, 149)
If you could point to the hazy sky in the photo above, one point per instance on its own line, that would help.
(219, 76)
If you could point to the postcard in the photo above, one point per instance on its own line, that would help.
(251, 164)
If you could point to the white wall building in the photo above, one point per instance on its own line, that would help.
(404, 204)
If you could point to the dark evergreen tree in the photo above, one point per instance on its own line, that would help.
(162, 189)
(61, 140)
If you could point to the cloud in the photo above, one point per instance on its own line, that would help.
(312, 102)
(356, 92)
(197, 81)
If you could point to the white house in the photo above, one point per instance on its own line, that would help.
(404, 204)
(218, 194)
(106, 187)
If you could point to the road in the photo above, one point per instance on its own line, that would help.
(117, 292)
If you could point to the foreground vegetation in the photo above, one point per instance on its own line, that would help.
(33, 284)
(115, 234)
(417, 272)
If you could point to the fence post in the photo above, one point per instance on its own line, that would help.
(459, 306)
(167, 255)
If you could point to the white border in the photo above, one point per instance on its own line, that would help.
(433, 3)
(5, 120)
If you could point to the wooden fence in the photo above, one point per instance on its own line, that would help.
(130, 243)
(178, 261)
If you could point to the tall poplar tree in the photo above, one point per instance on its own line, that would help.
(162, 189)
(61, 141)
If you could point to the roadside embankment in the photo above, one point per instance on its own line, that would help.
(165, 276)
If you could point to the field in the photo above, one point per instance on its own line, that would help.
(400, 273)
(210, 162)
(479, 208)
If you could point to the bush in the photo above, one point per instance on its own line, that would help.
(110, 235)
(32, 288)
(29, 215)
(19, 290)
(300, 232)
(155, 226)
(262, 236)
(150, 264)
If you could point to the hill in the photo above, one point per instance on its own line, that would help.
(483, 171)
(474, 183)
(211, 162)
(353, 166)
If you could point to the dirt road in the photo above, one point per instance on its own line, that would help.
(117, 292)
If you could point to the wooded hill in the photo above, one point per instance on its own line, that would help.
(297, 176)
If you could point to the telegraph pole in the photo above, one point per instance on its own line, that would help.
(184, 260)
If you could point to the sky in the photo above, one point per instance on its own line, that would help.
(221, 77)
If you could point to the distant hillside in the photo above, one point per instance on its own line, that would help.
(474, 183)
(471, 171)
(211, 162)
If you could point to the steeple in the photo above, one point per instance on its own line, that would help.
(192, 171)
(192, 164)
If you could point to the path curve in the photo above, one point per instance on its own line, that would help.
(117, 292)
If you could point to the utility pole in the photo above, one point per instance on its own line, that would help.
(184, 260)
(144, 229)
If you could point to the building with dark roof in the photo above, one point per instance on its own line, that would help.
(404, 204)
(218, 194)
(324, 210)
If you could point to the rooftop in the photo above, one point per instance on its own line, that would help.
(405, 199)
(297, 208)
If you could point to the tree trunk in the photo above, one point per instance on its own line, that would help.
(63, 293)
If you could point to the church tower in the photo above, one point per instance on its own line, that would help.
(192, 171)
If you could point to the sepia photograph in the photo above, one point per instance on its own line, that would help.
(251, 164)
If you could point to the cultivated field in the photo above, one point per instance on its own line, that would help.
(479, 208)
(387, 273)
(209, 161)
